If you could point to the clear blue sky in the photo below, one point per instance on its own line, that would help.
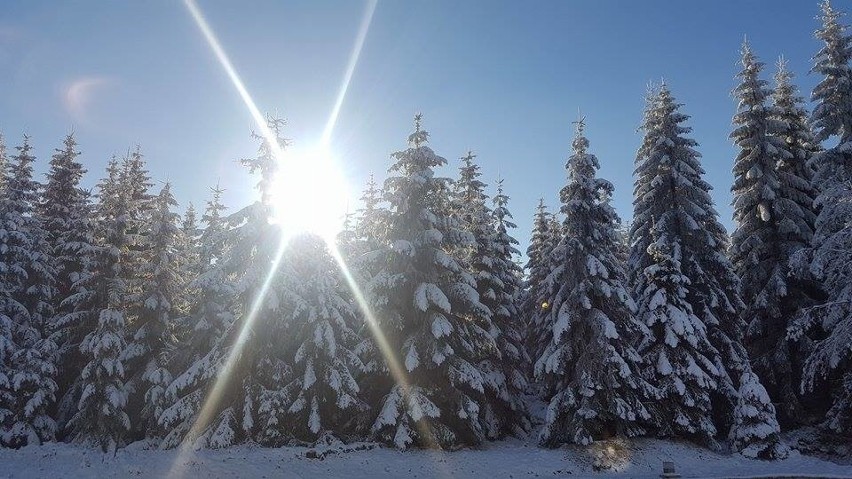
(502, 78)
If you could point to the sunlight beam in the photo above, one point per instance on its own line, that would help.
(211, 402)
(398, 372)
(214, 44)
(350, 70)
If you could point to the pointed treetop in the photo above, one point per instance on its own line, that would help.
(275, 123)
(580, 143)
(217, 190)
(70, 142)
(580, 125)
(189, 217)
(468, 158)
(24, 158)
(371, 194)
(420, 136)
(783, 76)
(781, 64)
(829, 16)
(166, 190)
(748, 57)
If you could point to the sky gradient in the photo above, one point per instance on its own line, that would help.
(504, 79)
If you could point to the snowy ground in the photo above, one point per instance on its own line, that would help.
(508, 459)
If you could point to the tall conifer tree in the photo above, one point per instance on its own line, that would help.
(429, 312)
(535, 308)
(247, 365)
(679, 245)
(590, 360)
(66, 215)
(773, 212)
(98, 305)
(27, 285)
(829, 261)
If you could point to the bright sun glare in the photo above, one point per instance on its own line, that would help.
(310, 193)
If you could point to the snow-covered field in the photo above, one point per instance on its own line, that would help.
(507, 459)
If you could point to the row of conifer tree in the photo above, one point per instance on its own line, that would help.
(121, 320)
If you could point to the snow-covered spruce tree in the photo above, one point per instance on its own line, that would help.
(832, 115)
(189, 230)
(65, 211)
(469, 209)
(639, 234)
(714, 291)
(830, 360)
(535, 309)
(756, 432)
(189, 264)
(211, 241)
(370, 235)
(370, 226)
(829, 364)
(368, 229)
(672, 207)
(591, 360)
(98, 307)
(429, 312)
(209, 317)
(798, 171)
(503, 411)
(678, 355)
(66, 217)
(320, 395)
(73, 321)
(251, 347)
(151, 349)
(28, 282)
(345, 239)
(136, 189)
(773, 220)
(506, 317)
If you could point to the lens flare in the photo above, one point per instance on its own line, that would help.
(309, 193)
(350, 69)
(305, 175)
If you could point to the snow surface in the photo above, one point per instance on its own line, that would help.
(505, 459)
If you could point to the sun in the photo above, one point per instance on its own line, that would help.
(310, 193)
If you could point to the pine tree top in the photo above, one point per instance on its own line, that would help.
(501, 211)
(21, 188)
(214, 208)
(372, 195)
(832, 114)
(752, 90)
(266, 162)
